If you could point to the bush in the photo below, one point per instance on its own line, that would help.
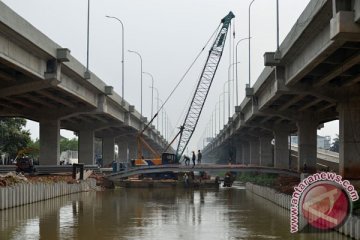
(264, 179)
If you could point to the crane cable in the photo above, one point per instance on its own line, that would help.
(187, 71)
(189, 68)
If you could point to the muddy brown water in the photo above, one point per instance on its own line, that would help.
(226, 213)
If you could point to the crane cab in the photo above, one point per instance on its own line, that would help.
(169, 158)
(166, 158)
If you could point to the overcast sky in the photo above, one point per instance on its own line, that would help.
(168, 34)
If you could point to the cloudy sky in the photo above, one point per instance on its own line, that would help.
(168, 34)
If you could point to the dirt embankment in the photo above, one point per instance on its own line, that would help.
(12, 178)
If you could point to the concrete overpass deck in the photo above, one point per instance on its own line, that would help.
(41, 81)
(312, 78)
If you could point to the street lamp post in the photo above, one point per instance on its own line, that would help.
(157, 107)
(250, 45)
(141, 87)
(219, 115)
(152, 92)
(162, 116)
(277, 26)
(215, 121)
(87, 72)
(122, 59)
(228, 92)
(222, 94)
(236, 72)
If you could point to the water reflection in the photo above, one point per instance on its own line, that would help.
(152, 214)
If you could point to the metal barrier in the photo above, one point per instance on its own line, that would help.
(48, 169)
(7, 168)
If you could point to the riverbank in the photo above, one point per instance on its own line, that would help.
(17, 191)
(351, 227)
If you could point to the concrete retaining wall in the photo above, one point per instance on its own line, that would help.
(25, 193)
(351, 227)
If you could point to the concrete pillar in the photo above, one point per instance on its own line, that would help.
(307, 133)
(266, 151)
(281, 149)
(132, 144)
(108, 150)
(238, 154)
(245, 153)
(49, 142)
(349, 136)
(86, 146)
(254, 151)
(123, 151)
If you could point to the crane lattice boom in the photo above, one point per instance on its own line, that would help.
(203, 86)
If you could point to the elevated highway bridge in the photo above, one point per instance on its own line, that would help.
(313, 78)
(43, 82)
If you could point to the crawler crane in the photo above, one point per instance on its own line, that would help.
(196, 106)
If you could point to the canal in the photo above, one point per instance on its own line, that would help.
(167, 214)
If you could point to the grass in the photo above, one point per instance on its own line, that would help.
(263, 179)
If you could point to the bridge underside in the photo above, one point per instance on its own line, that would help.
(316, 79)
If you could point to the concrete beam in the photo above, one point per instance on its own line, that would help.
(337, 71)
(27, 87)
(344, 27)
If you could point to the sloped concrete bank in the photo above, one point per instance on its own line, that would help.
(351, 228)
(25, 193)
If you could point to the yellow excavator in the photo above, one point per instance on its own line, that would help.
(25, 163)
(157, 158)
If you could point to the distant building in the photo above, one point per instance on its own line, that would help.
(323, 142)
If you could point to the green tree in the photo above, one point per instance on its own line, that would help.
(335, 146)
(68, 144)
(12, 135)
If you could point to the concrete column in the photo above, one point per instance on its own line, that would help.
(281, 149)
(132, 148)
(238, 154)
(245, 153)
(86, 146)
(254, 151)
(108, 150)
(266, 151)
(49, 142)
(123, 151)
(307, 133)
(349, 136)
